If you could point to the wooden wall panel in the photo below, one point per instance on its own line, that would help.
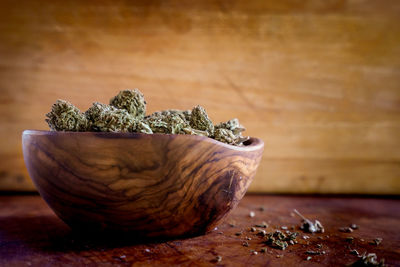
(318, 81)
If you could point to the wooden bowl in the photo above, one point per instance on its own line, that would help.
(153, 185)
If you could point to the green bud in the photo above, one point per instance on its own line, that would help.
(66, 117)
(132, 101)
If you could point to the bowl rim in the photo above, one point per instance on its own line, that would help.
(252, 144)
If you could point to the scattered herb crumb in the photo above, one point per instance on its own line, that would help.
(313, 252)
(369, 259)
(262, 225)
(346, 229)
(218, 258)
(280, 240)
(353, 226)
(309, 226)
(377, 241)
(262, 233)
(308, 258)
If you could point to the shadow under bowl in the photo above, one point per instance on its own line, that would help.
(157, 185)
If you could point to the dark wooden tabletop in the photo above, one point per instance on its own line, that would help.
(32, 235)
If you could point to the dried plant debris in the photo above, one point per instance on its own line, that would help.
(309, 226)
(346, 229)
(262, 233)
(281, 240)
(376, 241)
(315, 252)
(127, 113)
(131, 101)
(354, 226)
(369, 259)
(66, 117)
(261, 225)
(218, 259)
(284, 238)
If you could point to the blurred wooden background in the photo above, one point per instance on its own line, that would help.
(318, 81)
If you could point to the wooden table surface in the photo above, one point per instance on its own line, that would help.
(32, 235)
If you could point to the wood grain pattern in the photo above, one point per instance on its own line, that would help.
(318, 81)
(32, 235)
(151, 185)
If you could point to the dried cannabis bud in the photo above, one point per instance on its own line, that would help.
(172, 121)
(169, 123)
(225, 136)
(126, 113)
(199, 120)
(142, 127)
(66, 117)
(232, 125)
(132, 101)
(184, 114)
(309, 226)
(104, 118)
(230, 132)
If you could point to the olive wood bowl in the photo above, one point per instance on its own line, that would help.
(158, 185)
